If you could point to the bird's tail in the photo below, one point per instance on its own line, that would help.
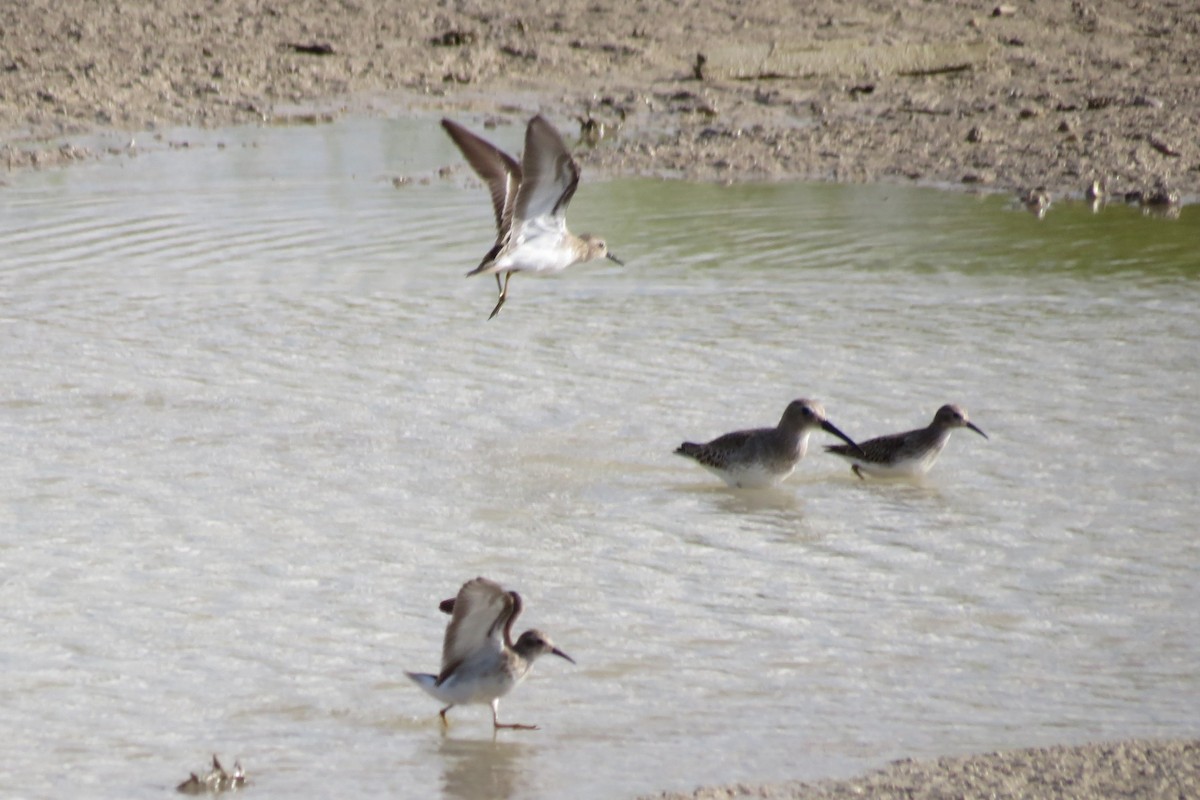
(423, 679)
(689, 449)
(486, 268)
(488, 264)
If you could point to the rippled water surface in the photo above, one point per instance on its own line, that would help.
(256, 425)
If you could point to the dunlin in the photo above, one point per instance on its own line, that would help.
(530, 201)
(763, 456)
(1036, 201)
(909, 453)
(480, 661)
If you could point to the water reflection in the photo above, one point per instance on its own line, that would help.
(477, 768)
(756, 501)
(1162, 211)
(773, 509)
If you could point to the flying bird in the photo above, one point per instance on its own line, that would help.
(530, 201)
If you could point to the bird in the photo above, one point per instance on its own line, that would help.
(763, 456)
(480, 661)
(1036, 200)
(530, 201)
(909, 453)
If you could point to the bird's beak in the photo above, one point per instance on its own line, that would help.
(611, 257)
(973, 427)
(561, 654)
(829, 427)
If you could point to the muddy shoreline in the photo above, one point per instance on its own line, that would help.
(1148, 770)
(1001, 97)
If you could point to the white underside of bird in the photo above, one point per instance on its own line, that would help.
(476, 689)
(912, 466)
(538, 247)
(750, 477)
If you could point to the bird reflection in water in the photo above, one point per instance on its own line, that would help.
(475, 768)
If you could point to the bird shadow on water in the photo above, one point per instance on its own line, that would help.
(776, 511)
(772, 501)
(474, 768)
(901, 492)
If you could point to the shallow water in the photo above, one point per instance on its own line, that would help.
(257, 425)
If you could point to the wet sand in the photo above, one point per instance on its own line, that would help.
(999, 97)
(1134, 769)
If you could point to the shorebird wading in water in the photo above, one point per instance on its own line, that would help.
(763, 456)
(480, 661)
(910, 453)
(530, 201)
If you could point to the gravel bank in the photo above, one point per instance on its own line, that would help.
(1146, 770)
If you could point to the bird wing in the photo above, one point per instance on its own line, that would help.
(717, 452)
(880, 450)
(734, 440)
(499, 171)
(483, 611)
(550, 175)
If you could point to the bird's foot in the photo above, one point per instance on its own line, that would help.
(515, 726)
(503, 293)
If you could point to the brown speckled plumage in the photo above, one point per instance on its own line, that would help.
(911, 452)
(763, 456)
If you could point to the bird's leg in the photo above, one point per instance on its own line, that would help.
(497, 724)
(442, 714)
(857, 472)
(503, 293)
